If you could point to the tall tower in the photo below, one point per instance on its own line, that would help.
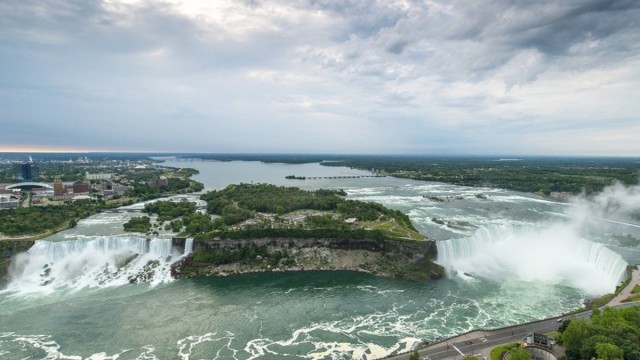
(58, 187)
(26, 171)
(17, 171)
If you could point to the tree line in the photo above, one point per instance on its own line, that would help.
(238, 203)
(38, 219)
(612, 334)
(543, 175)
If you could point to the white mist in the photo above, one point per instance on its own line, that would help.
(94, 261)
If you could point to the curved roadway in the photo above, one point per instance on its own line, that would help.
(480, 342)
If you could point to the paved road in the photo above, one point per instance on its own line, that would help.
(626, 292)
(26, 200)
(481, 342)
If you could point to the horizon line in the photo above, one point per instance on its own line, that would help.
(506, 157)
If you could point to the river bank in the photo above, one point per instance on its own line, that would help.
(11, 246)
(390, 258)
(285, 314)
(482, 341)
(36, 236)
(8, 250)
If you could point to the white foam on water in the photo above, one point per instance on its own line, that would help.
(350, 338)
(396, 200)
(104, 218)
(366, 191)
(521, 199)
(553, 254)
(51, 348)
(147, 353)
(93, 261)
(375, 290)
(186, 346)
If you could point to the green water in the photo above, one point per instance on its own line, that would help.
(270, 316)
(322, 315)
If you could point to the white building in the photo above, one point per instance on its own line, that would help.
(9, 201)
(95, 177)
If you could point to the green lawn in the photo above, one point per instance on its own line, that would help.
(392, 229)
(496, 352)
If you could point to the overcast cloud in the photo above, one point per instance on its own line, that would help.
(430, 77)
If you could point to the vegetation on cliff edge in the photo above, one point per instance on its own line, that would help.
(611, 334)
(263, 210)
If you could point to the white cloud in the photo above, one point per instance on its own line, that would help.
(398, 76)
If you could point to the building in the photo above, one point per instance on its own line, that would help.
(10, 192)
(161, 181)
(42, 192)
(80, 187)
(109, 189)
(119, 190)
(101, 176)
(58, 187)
(84, 160)
(9, 201)
(26, 171)
(81, 197)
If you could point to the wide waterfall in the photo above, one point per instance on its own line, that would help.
(554, 254)
(94, 261)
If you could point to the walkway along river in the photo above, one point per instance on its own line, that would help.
(53, 308)
(480, 342)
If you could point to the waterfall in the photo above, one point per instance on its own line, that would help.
(188, 246)
(553, 254)
(94, 261)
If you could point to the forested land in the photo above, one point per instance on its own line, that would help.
(543, 175)
(264, 210)
(612, 334)
(144, 191)
(529, 174)
(140, 224)
(39, 219)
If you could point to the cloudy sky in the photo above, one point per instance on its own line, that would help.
(412, 77)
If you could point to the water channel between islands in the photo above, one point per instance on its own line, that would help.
(512, 257)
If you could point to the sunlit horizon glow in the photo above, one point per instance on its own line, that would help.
(57, 149)
(396, 77)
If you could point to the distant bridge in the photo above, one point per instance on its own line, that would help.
(27, 185)
(342, 177)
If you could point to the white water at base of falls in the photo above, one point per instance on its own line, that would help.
(94, 261)
(555, 254)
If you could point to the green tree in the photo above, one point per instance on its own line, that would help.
(608, 351)
(564, 325)
(415, 355)
(588, 349)
(617, 327)
(141, 224)
(573, 336)
(519, 353)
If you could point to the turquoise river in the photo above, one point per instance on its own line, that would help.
(511, 257)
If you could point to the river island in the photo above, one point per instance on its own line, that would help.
(262, 227)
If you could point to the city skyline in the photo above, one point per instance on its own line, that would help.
(392, 77)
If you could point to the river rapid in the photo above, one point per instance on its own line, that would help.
(95, 293)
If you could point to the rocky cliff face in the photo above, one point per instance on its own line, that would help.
(8, 249)
(389, 258)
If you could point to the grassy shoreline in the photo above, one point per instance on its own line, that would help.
(36, 236)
